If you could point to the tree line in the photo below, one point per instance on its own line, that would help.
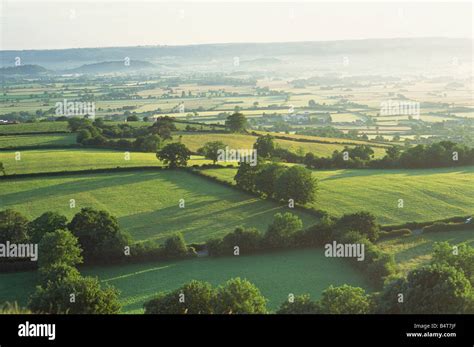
(439, 154)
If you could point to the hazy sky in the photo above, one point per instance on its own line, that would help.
(68, 24)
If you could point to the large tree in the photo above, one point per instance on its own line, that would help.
(439, 289)
(174, 155)
(99, 233)
(59, 246)
(266, 179)
(362, 222)
(264, 146)
(211, 150)
(239, 296)
(460, 256)
(282, 230)
(149, 143)
(47, 222)
(13, 227)
(163, 127)
(296, 183)
(344, 300)
(236, 122)
(246, 176)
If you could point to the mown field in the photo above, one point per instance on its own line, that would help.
(427, 194)
(275, 274)
(12, 141)
(413, 251)
(53, 160)
(146, 202)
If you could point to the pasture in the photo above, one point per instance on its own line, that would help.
(415, 250)
(37, 127)
(54, 160)
(427, 194)
(13, 141)
(275, 274)
(240, 141)
(146, 203)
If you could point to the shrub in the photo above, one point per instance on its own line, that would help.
(13, 227)
(344, 300)
(301, 304)
(281, 232)
(59, 247)
(362, 222)
(175, 246)
(47, 222)
(239, 296)
(194, 297)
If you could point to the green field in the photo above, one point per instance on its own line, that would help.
(53, 160)
(33, 127)
(427, 194)
(146, 202)
(240, 141)
(37, 140)
(275, 274)
(413, 251)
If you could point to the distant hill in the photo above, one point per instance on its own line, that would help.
(371, 54)
(23, 70)
(112, 67)
(262, 61)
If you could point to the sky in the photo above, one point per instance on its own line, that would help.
(105, 23)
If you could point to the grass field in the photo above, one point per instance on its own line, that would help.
(33, 127)
(240, 141)
(275, 274)
(427, 194)
(146, 202)
(37, 140)
(53, 160)
(324, 139)
(413, 251)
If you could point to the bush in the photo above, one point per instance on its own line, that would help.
(296, 183)
(248, 241)
(394, 233)
(439, 289)
(175, 247)
(47, 222)
(13, 227)
(301, 304)
(194, 297)
(239, 296)
(317, 234)
(57, 272)
(281, 232)
(344, 300)
(362, 222)
(89, 297)
(59, 247)
(99, 234)
(441, 226)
